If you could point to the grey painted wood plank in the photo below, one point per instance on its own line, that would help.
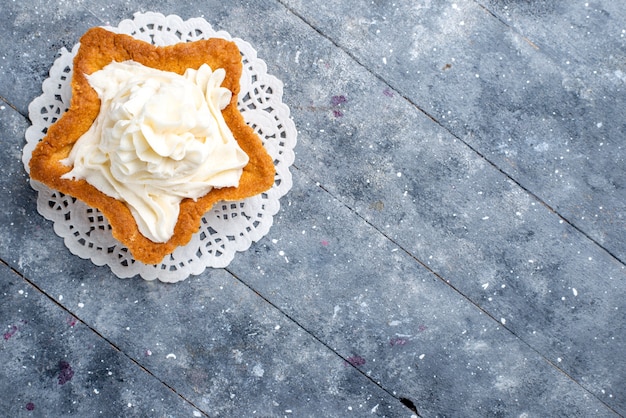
(33, 34)
(591, 33)
(53, 365)
(342, 110)
(554, 125)
(365, 297)
(211, 339)
(452, 210)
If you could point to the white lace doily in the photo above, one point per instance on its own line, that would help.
(230, 226)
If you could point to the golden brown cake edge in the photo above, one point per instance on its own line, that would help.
(98, 47)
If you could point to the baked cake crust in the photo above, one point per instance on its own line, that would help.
(99, 47)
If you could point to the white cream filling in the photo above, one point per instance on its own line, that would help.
(160, 137)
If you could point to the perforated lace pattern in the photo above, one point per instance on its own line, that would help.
(230, 226)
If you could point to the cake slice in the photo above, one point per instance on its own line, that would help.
(99, 48)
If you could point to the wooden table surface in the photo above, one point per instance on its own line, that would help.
(454, 243)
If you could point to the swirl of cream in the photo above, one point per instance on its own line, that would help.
(160, 137)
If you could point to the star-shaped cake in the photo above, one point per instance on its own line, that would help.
(52, 161)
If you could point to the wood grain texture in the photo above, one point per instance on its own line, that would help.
(453, 244)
